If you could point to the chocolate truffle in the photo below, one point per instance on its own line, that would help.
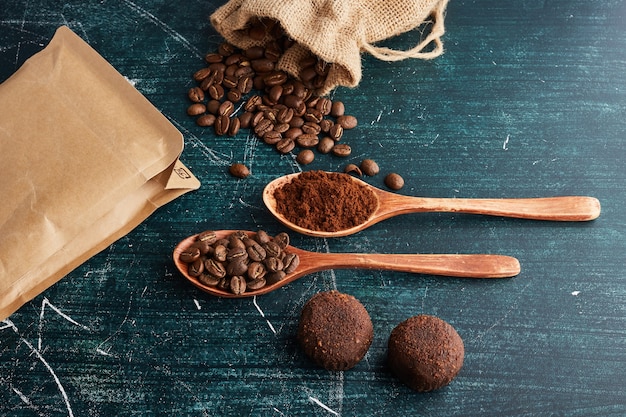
(425, 353)
(335, 330)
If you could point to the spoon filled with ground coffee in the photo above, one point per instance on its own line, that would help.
(332, 204)
(236, 263)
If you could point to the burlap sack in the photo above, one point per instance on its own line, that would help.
(337, 31)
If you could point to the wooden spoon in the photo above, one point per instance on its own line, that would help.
(567, 208)
(467, 266)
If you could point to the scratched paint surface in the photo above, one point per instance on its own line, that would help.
(528, 100)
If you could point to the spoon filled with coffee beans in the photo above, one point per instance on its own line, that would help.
(237, 263)
(332, 204)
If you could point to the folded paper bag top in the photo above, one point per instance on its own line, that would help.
(84, 158)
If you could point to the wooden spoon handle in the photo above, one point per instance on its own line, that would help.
(567, 208)
(469, 266)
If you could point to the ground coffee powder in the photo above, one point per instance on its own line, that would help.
(325, 201)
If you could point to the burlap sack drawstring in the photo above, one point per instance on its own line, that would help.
(336, 31)
(433, 38)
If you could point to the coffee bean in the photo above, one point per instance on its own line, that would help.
(369, 167)
(252, 103)
(281, 127)
(256, 270)
(256, 252)
(324, 106)
(190, 255)
(394, 181)
(263, 126)
(226, 49)
(353, 169)
(275, 277)
(290, 262)
(233, 127)
(338, 109)
(245, 85)
(272, 137)
(305, 157)
(285, 145)
(292, 133)
(233, 95)
(213, 58)
(245, 119)
(273, 264)
(262, 65)
(216, 91)
(196, 109)
(214, 268)
(208, 279)
(254, 52)
(201, 74)
(326, 145)
(230, 81)
(311, 128)
(275, 78)
(282, 240)
(196, 268)
(325, 125)
(213, 106)
(237, 285)
(220, 251)
(236, 268)
(272, 249)
(256, 284)
(221, 125)
(342, 150)
(239, 170)
(347, 122)
(226, 108)
(196, 94)
(313, 115)
(284, 115)
(205, 120)
(296, 121)
(336, 132)
(205, 248)
(307, 140)
(208, 236)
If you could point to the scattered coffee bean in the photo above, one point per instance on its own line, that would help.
(347, 122)
(234, 267)
(305, 157)
(342, 150)
(353, 169)
(196, 109)
(205, 120)
(394, 181)
(239, 170)
(326, 145)
(196, 95)
(369, 167)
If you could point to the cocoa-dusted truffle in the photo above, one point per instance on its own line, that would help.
(335, 330)
(425, 352)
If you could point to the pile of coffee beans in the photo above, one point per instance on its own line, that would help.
(239, 262)
(286, 113)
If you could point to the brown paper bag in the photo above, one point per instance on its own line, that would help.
(336, 31)
(84, 158)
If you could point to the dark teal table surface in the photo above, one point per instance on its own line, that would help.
(528, 100)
